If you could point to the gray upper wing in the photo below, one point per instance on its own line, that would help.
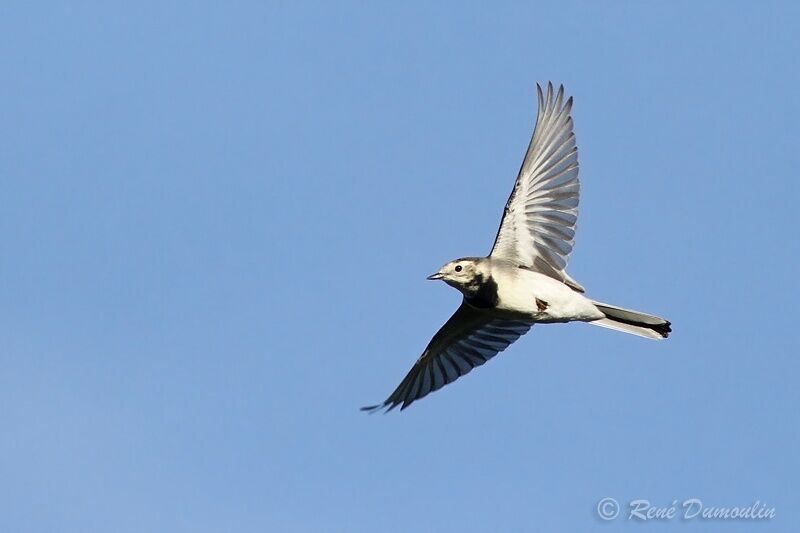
(468, 339)
(538, 226)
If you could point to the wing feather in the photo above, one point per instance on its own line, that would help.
(538, 226)
(467, 340)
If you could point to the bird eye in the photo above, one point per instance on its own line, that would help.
(458, 268)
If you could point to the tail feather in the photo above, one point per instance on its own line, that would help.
(633, 322)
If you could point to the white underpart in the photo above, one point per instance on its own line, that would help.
(518, 289)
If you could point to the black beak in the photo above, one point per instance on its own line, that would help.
(436, 276)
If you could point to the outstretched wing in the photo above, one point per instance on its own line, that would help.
(468, 339)
(538, 226)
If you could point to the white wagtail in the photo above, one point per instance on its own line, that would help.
(523, 280)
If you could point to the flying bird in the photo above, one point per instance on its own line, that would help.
(523, 280)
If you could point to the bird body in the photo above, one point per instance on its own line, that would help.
(503, 286)
(523, 281)
(542, 297)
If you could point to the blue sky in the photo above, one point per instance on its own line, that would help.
(217, 220)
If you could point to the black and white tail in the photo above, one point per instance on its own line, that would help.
(633, 322)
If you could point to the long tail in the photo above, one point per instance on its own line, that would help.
(633, 322)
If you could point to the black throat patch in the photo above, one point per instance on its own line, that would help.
(484, 293)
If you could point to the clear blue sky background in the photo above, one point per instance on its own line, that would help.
(217, 220)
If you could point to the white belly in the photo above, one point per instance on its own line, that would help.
(557, 303)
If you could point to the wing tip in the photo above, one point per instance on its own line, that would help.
(552, 93)
(385, 407)
(370, 408)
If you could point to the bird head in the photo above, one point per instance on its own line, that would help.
(459, 273)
